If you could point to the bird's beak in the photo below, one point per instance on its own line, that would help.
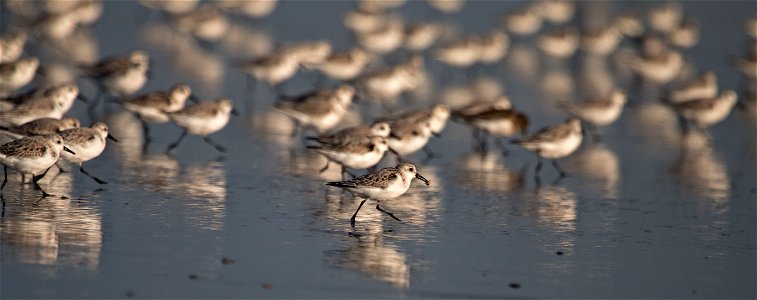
(112, 138)
(194, 98)
(82, 98)
(419, 176)
(68, 150)
(235, 112)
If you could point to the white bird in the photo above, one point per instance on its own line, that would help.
(32, 155)
(87, 143)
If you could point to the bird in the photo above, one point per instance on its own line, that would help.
(705, 112)
(42, 126)
(53, 103)
(553, 142)
(381, 129)
(320, 109)
(382, 185)
(203, 119)
(705, 86)
(32, 155)
(17, 74)
(597, 112)
(87, 143)
(496, 123)
(355, 153)
(154, 107)
(120, 75)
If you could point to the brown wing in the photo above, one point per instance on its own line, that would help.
(154, 99)
(379, 179)
(204, 109)
(77, 135)
(107, 67)
(25, 147)
(554, 132)
(699, 104)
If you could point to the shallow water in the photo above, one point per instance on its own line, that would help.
(643, 213)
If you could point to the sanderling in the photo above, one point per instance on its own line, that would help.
(597, 112)
(600, 41)
(408, 137)
(657, 64)
(382, 185)
(492, 47)
(560, 42)
(16, 74)
(321, 109)
(206, 22)
(12, 45)
(665, 17)
(436, 116)
(172, 7)
(381, 129)
(121, 75)
(32, 155)
(384, 39)
(496, 123)
(523, 21)
(345, 65)
(271, 69)
(421, 36)
(354, 153)
(51, 104)
(501, 102)
(385, 85)
(87, 143)
(446, 6)
(629, 24)
(556, 11)
(43, 126)
(460, 53)
(154, 107)
(705, 86)
(307, 53)
(705, 112)
(686, 35)
(203, 119)
(253, 8)
(553, 142)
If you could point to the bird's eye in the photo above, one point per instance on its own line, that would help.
(58, 142)
(412, 170)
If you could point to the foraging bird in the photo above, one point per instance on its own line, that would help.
(382, 185)
(553, 142)
(87, 143)
(32, 155)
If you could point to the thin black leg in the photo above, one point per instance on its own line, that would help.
(386, 212)
(352, 220)
(5, 178)
(538, 167)
(501, 146)
(218, 146)
(344, 170)
(98, 180)
(326, 167)
(557, 167)
(145, 132)
(36, 185)
(171, 146)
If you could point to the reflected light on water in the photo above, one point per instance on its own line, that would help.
(601, 165)
(703, 173)
(52, 231)
(487, 172)
(374, 257)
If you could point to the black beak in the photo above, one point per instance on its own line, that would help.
(112, 138)
(194, 98)
(82, 98)
(235, 112)
(68, 150)
(418, 175)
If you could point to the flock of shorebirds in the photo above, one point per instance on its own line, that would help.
(36, 136)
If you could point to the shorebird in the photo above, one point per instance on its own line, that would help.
(553, 142)
(203, 119)
(87, 143)
(32, 155)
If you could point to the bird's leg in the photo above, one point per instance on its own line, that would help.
(218, 146)
(5, 178)
(98, 180)
(145, 132)
(326, 167)
(344, 170)
(538, 167)
(36, 185)
(352, 220)
(386, 212)
(501, 146)
(557, 167)
(171, 146)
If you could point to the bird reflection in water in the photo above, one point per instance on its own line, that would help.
(554, 209)
(487, 172)
(599, 164)
(702, 173)
(374, 257)
(51, 231)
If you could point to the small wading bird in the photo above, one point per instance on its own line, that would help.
(384, 184)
